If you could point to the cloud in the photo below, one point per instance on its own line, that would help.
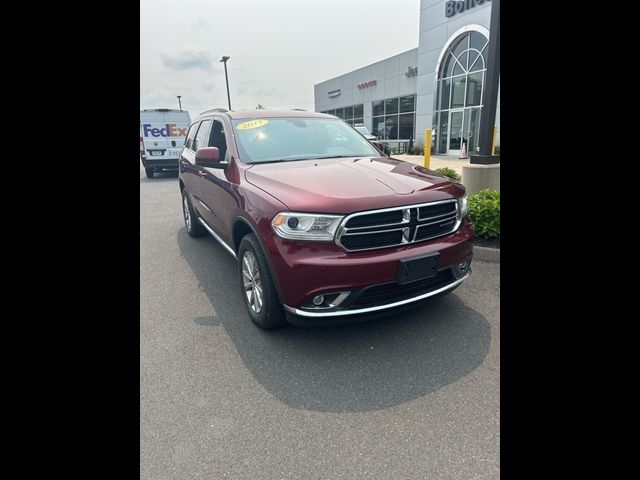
(200, 24)
(189, 57)
(258, 90)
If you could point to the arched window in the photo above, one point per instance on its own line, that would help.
(459, 94)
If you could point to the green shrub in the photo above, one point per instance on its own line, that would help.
(417, 150)
(484, 213)
(449, 172)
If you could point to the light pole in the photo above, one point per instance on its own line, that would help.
(224, 60)
(179, 102)
(488, 115)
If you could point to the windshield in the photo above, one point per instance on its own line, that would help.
(288, 139)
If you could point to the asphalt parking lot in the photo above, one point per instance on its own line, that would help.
(411, 396)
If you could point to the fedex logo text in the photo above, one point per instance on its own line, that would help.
(170, 130)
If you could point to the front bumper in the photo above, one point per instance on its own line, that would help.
(342, 312)
(303, 271)
(168, 163)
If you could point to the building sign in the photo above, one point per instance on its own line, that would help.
(370, 83)
(453, 7)
(411, 72)
(334, 93)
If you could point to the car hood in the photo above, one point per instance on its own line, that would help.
(347, 185)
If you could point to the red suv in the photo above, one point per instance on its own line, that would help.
(325, 228)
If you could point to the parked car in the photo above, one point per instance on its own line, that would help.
(323, 227)
(367, 134)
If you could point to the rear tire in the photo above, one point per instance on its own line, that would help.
(257, 286)
(191, 223)
(149, 172)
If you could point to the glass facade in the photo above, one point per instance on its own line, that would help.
(459, 94)
(394, 118)
(353, 115)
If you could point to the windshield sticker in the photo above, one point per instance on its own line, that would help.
(252, 124)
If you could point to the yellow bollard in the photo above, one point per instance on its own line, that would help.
(493, 142)
(427, 148)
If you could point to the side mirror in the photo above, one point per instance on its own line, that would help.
(379, 146)
(209, 157)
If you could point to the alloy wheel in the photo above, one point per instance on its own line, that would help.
(251, 281)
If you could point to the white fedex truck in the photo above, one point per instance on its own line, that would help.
(162, 135)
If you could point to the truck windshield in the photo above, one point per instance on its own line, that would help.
(287, 139)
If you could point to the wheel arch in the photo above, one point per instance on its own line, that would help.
(242, 227)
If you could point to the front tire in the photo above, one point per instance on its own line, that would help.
(191, 223)
(149, 172)
(257, 286)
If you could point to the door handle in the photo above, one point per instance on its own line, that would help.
(202, 173)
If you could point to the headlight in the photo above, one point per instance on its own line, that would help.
(306, 226)
(463, 205)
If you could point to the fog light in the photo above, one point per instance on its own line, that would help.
(462, 269)
(318, 300)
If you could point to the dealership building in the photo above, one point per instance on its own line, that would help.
(439, 85)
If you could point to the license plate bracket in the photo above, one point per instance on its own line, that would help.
(417, 268)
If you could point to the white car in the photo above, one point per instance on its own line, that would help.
(365, 132)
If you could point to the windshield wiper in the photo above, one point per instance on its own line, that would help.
(277, 160)
(294, 159)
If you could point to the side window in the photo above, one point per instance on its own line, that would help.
(202, 137)
(191, 135)
(219, 139)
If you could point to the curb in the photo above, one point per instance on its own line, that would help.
(486, 254)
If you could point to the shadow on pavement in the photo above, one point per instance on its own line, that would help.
(351, 368)
(160, 177)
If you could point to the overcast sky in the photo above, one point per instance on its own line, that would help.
(279, 48)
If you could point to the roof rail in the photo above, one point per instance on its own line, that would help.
(299, 109)
(214, 110)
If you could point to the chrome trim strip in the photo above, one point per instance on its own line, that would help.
(353, 230)
(398, 229)
(209, 210)
(304, 313)
(457, 225)
(440, 220)
(214, 235)
(402, 207)
(455, 212)
(339, 299)
(406, 218)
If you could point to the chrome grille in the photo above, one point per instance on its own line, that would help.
(392, 227)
